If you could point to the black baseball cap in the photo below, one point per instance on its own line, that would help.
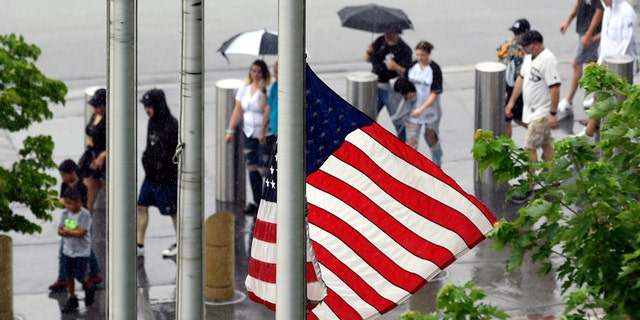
(99, 98)
(520, 26)
(530, 37)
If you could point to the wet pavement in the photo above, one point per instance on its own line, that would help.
(462, 35)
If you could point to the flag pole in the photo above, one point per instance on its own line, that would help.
(121, 160)
(291, 246)
(189, 300)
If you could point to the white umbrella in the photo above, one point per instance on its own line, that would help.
(255, 43)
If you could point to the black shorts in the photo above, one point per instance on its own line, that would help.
(517, 108)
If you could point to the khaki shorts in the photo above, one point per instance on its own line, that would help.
(538, 134)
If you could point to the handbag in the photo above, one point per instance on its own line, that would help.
(84, 164)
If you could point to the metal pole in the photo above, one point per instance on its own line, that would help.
(622, 65)
(189, 300)
(490, 102)
(291, 247)
(121, 160)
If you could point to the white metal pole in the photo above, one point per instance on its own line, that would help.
(121, 161)
(291, 252)
(189, 300)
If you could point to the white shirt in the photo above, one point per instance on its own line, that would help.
(539, 75)
(252, 114)
(618, 31)
(422, 78)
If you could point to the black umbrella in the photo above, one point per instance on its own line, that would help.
(374, 18)
(255, 43)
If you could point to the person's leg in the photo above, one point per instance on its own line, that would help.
(413, 132)
(383, 99)
(143, 222)
(94, 266)
(508, 129)
(547, 152)
(93, 186)
(394, 99)
(575, 78)
(432, 137)
(251, 146)
(592, 125)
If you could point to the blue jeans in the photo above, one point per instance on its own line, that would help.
(383, 100)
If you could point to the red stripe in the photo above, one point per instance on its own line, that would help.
(353, 281)
(265, 231)
(257, 299)
(367, 251)
(415, 200)
(266, 272)
(395, 146)
(412, 242)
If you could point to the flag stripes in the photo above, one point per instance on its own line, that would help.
(382, 221)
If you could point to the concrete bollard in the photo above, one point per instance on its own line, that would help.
(622, 65)
(362, 92)
(230, 168)
(489, 115)
(6, 278)
(219, 257)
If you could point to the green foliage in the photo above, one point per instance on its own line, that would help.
(591, 222)
(25, 94)
(459, 303)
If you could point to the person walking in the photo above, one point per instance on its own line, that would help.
(539, 83)
(588, 15)
(511, 54)
(387, 54)
(272, 102)
(426, 76)
(92, 166)
(251, 106)
(618, 37)
(160, 184)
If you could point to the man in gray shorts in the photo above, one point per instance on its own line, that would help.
(588, 23)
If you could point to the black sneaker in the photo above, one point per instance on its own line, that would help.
(70, 305)
(89, 297)
(251, 209)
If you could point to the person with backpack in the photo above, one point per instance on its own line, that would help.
(512, 54)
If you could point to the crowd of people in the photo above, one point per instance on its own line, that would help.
(409, 85)
(605, 28)
(82, 181)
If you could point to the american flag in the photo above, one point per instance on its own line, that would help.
(383, 219)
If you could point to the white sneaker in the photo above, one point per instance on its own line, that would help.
(564, 109)
(172, 251)
(588, 103)
(140, 251)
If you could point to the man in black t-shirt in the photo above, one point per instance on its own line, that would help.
(588, 23)
(381, 53)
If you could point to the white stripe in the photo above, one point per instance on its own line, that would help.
(424, 228)
(418, 179)
(353, 261)
(263, 251)
(349, 296)
(267, 211)
(265, 290)
(387, 245)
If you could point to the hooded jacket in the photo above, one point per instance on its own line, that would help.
(618, 31)
(162, 140)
